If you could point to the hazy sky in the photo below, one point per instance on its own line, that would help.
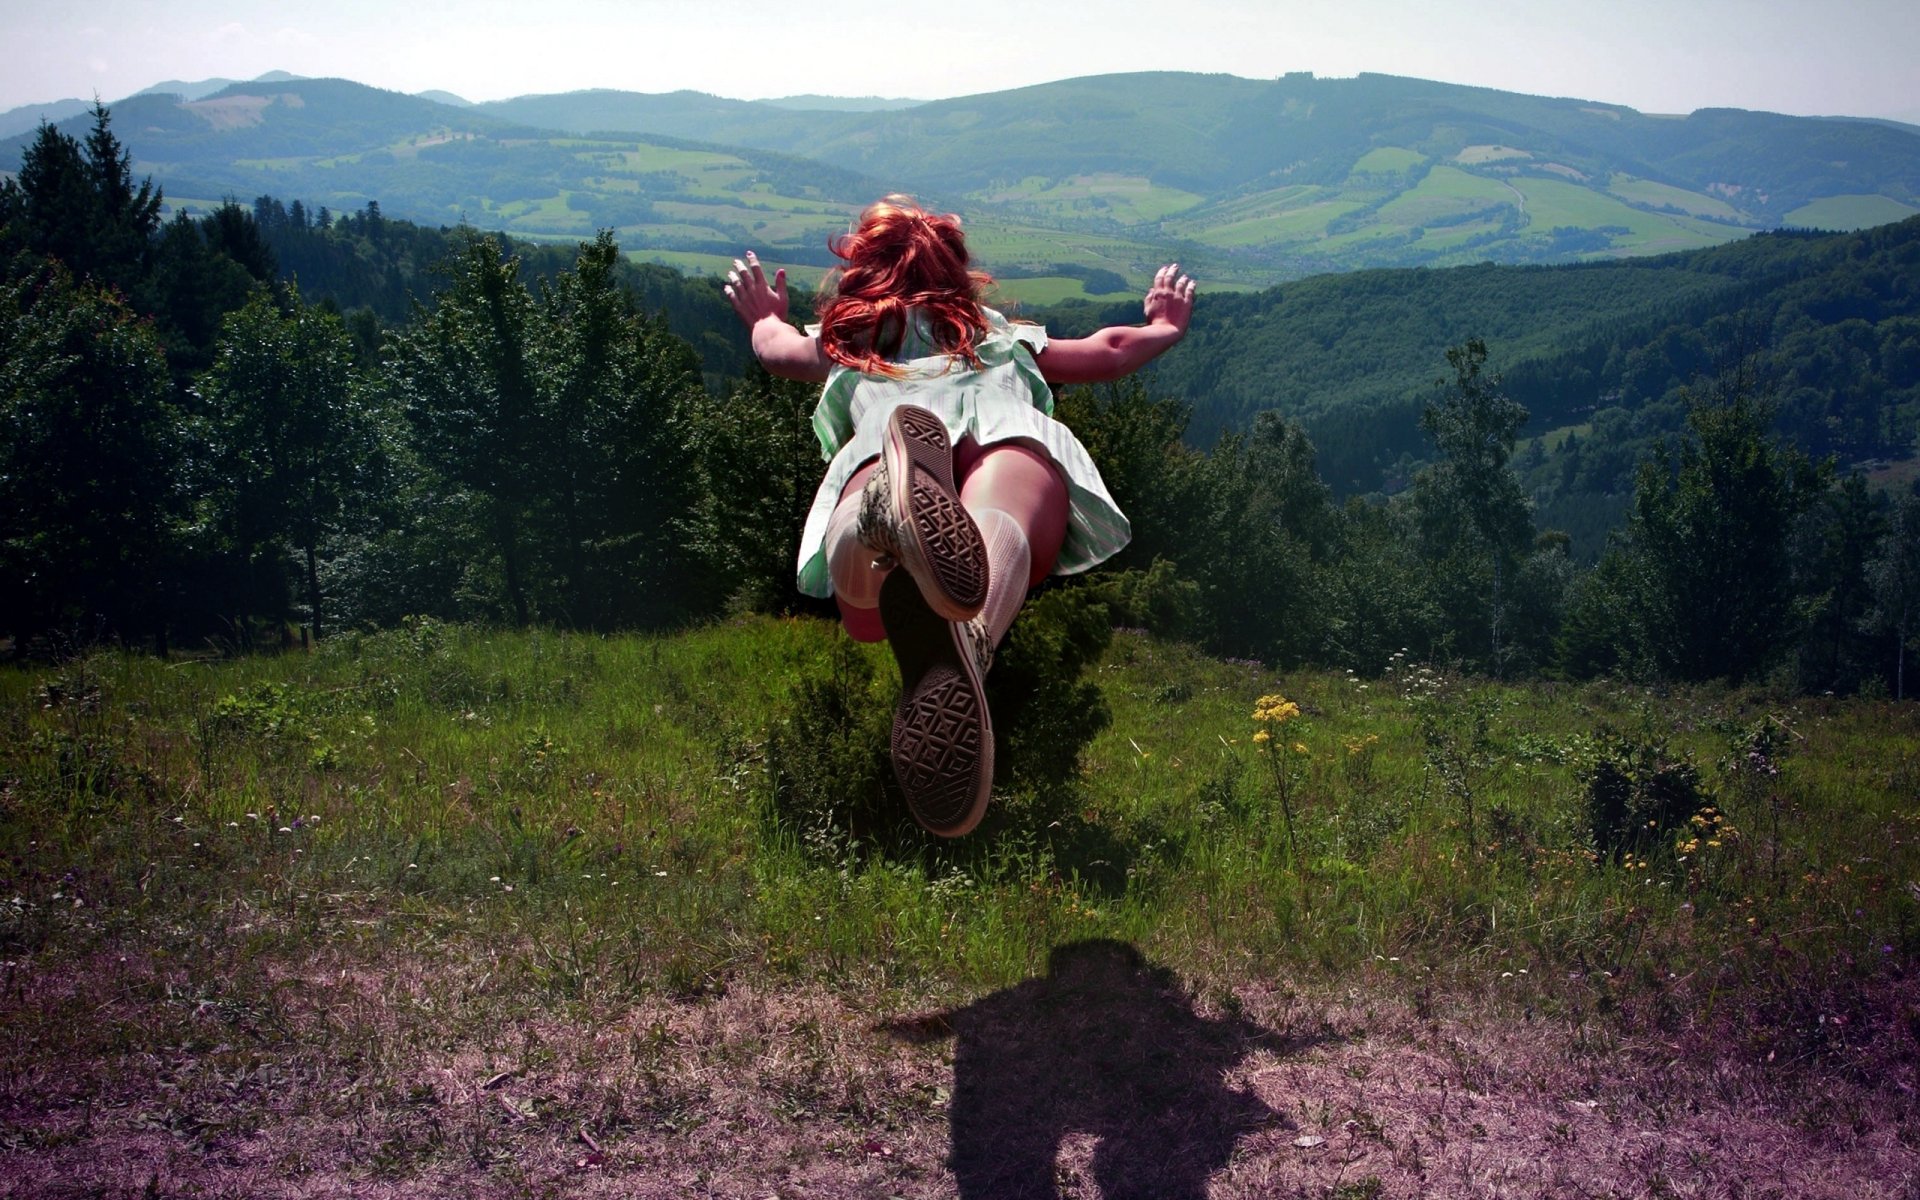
(1851, 57)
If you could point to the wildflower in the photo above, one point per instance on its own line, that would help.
(1262, 736)
(1276, 710)
(1299, 747)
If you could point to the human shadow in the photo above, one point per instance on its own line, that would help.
(1105, 1044)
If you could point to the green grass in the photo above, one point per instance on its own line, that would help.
(1850, 212)
(1387, 159)
(1041, 291)
(1306, 224)
(1444, 192)
(1552, 439)
(1646, 191)
(496, 781)
(1475, 155)
(1127, 199)
(694, 263)
(1552, 203)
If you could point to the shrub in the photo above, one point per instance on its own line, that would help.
(827, 758)
(830, 778)
(1639, 792)
(1044, 711)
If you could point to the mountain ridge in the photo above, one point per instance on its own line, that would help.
(1252, 181)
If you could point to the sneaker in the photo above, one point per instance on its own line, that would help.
(911, 512)
(942, 732)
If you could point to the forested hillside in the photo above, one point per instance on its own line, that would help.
(443, 423)
(1600, 354)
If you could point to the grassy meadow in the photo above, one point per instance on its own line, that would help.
(439, 909)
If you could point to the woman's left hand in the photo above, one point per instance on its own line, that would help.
(752, 297)
(1170, 299)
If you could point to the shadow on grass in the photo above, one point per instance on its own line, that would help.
(1105, 1044)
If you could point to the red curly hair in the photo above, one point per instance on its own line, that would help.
(901, 257)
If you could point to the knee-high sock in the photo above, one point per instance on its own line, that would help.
(849, 560)
(1009, 561)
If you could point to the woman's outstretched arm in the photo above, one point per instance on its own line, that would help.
(1119, 350)
(762, 308)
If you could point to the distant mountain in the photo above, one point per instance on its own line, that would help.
(440, 97)
(27, 117)
(812, 103)
(207, 87)
(1249, 181)
(695, 116)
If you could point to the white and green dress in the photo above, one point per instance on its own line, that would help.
(1003, 400)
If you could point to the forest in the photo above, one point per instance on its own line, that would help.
(267, 422)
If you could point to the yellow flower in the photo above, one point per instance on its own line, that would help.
(1262, 736)
(1299, 747)
(1277, 710)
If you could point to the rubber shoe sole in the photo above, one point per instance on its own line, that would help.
(942, 732)
(938, 542)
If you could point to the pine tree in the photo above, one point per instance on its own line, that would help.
(1710, 573)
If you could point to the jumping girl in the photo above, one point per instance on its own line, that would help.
(950, 489)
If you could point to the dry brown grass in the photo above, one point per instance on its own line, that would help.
(438, 1070)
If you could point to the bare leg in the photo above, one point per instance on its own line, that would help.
(1019, 499)
(856, 582)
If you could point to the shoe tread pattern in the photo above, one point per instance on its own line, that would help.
(950, 545)
(937, 750)
(942, 741)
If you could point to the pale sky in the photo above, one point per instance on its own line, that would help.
(1809, 57)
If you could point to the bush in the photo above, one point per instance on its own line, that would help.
(830, 779)
(827, 759)
(1639, 792)
(1044, 711)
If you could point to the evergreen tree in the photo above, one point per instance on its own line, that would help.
(618, 393)
(1473, 512)
(465, 376)
(759, 467)
(1710, 575)
(78, 204)
(1894, 575)
(1831, 548)
(90, 490)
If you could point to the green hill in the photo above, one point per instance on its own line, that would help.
(1250, 182)
(1598, 352)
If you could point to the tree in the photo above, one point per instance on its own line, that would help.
(294, 439)
(759, 466)
(90, 489)
(1710, 574)
(465, 376)
(1894, 575)
(1471, 505)
(1255, 525)
(618, 399)
(79, 204)
(1831, 548)
(564, 422)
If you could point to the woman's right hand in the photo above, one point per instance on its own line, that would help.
(752, 297)
(1170, 299)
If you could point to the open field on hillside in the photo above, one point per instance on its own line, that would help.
(1553, 203)
(437, 911)
(1850, 212)
(1646, 191)
(1127, 199)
